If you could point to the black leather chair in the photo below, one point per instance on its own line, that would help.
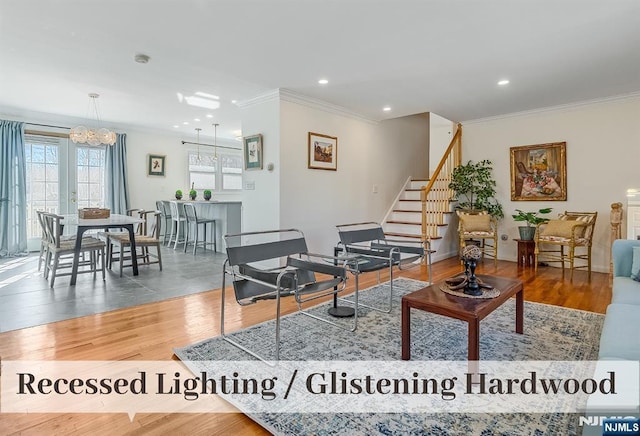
(375, 252)
(273, 264)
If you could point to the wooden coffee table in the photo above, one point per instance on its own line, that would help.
(472, 310)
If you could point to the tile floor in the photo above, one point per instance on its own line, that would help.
(27, 300)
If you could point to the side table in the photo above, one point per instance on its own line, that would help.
(526, 255)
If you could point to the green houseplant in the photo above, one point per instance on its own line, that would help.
(475, 188)
(178, 194)
(193, 193)
(532, 219)
(207, 194)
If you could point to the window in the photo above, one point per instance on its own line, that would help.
(202, 170)
(231, 164)
(90, 167)
(223, 173)
(61, 177)
(42, 158)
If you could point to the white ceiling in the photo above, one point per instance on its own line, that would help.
(441, 56)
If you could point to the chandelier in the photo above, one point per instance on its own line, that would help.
(93, 135)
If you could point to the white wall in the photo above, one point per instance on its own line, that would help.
(603, 151)
(261, 206)
(369, 154)
(441, 132)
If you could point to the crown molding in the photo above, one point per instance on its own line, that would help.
(272, 95)
(303, 100)
(561, 107)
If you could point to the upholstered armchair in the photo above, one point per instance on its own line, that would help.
(482, 227)
(566, 239)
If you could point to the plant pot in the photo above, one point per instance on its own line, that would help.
(527, 233)
(193, 197)
(178, 197)
(207, 197)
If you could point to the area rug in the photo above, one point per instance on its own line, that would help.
(550, 333)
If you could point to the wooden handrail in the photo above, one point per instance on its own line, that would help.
(432, 210)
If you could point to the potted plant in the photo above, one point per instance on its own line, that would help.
(207, 194)
(475, 188)
(193, 193)
(532, 219)
(178, 194)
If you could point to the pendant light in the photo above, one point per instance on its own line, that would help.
(198, 142)
(93, 135)
(215, 140)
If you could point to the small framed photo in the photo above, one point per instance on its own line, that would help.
(323, 152)
(253, 152)
(155, 165)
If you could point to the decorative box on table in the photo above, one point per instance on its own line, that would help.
(93, 213)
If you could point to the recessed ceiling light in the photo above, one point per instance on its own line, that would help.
(186, 123)
(196, 119)
(323, 81)
(176, 126)
(503, 82)
(234, 101)
(209, 116)
(386, 108)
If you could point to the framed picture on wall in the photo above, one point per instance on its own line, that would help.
(539, 172)
(155, 165)
(322, 151)
(253, 152)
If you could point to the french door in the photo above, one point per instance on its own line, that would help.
(61, 177)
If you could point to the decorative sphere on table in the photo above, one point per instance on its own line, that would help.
(471, 252)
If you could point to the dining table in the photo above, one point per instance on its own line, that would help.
(114, 221)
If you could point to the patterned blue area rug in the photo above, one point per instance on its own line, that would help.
(550, 333)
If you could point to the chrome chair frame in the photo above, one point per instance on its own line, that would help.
(293, 276)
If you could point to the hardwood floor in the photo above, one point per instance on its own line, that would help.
(151, 331)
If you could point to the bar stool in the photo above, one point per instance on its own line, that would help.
(177, 219)
(165, 215)
(192, 218)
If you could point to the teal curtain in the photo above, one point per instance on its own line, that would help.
(13, 190)
(117, 180)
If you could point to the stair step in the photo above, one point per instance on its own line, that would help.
(414, 211)
(404, 222)
(412, 223)
(406, 235)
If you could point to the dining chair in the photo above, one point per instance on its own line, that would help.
(58, 249)
(105, 236)
(195, 222)
(148, 235)
(178, 220)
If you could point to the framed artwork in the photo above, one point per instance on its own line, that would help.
(253, 152)
(539, 172)
(155, 165)
(323, 152)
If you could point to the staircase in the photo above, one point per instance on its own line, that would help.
(405, 220)
(423, 209)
